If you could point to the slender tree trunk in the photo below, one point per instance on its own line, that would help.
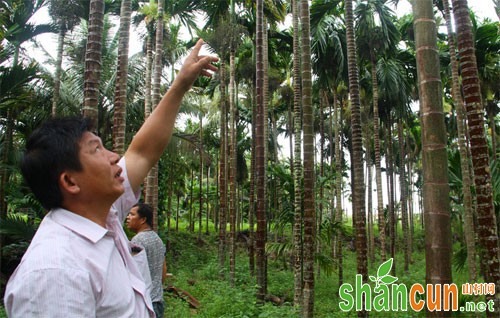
(217, 191)
(251, 210)
(371, 238)
(169, 200)
(207, 187)
(464, 156)
(57, 78)
(93, 66)
(486, 219)
(260, 160)
(308, 145)
(191, 200)
(148, 106)
(177, 213)
(297, 163)
(147, 82)
(378, 168)
(338, 187)
(321, 170)
(152, 179)
(404, 210)
(222, 174)
(409, 196)
(434, 158)
(200, 198)
(120, 113)
(232, 170)
(391, 208)
(357, 146)
(265, 65)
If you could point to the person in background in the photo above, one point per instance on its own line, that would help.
(79, 263)
(140, 221)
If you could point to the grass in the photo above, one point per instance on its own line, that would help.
(196, 271)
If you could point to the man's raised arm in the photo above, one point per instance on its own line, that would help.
(152, 138)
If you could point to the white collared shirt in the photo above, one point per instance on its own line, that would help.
(76, 268)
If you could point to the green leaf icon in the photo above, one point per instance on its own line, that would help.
(385, 268)
(372, 278)
(388, 279)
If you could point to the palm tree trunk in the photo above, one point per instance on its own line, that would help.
(462, 147)
(222, 173)
(200, 197)
(357, 146)
(120, 113)
(321, 169)
(265, 65)
(308, 145)
(93, 67)
(191, 200)
(149, 68)
(486, 219)
(338, 187)
(378, 169)
(152, 178)
(232, 169)
(404, 207)
(434, 158)
(371, 238)
(260, 162)
(390, 184)
(177, 213)
(251, 210)
(297, 164)
(207, 194)
(409, 198)
(169, 200)
(57, 78)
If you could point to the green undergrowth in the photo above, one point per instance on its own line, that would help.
(194, 264)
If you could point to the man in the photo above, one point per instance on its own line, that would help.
(79, 263)
(140, 221)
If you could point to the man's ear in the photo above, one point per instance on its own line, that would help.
(68, 183)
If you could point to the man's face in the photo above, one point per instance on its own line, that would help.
(134, 220)
(100, 178)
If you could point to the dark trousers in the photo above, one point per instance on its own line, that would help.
(158, 309)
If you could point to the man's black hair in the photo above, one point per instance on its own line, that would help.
(145, 211)
(51, 149)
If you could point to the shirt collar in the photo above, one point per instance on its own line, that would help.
(78, 224)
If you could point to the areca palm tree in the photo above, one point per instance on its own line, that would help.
(462, 146)
(121, 79)
(434, 157)
(297, 164)
(260, 158)
(376, 35)
(357, 144)
(395, 93)
(486, 220)
(67, 15)
(308, 146)
(93, 67)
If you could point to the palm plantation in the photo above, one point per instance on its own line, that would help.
(263, 196)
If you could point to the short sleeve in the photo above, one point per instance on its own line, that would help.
(51, 293)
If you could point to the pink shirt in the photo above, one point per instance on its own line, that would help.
(76, 268)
